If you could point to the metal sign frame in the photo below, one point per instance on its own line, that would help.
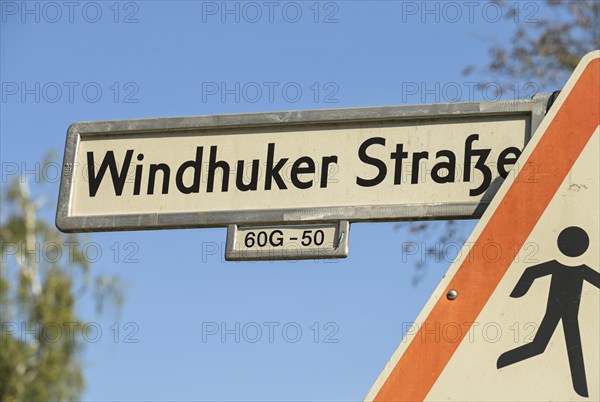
(339, 248)
(534, 109)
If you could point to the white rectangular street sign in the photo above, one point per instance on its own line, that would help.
(366, 164)
(320, 241)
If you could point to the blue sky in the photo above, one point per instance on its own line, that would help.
(121, 60)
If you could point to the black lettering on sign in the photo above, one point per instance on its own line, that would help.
(444, 169)
(109, 162)
(369, 160)
(304, 172)
(247, 174)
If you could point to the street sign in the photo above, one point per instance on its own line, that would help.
(298, 242)
(367, 164)
(491, 329)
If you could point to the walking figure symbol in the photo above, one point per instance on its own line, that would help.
(563, 304)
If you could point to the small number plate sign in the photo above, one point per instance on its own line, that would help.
(290, 242)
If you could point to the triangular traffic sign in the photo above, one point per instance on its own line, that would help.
(517, 315)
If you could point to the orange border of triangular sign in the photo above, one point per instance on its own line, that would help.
(513, 213)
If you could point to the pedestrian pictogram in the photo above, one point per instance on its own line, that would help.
(489, 331)
(563, 304)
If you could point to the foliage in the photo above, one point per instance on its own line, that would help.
(548, 47)
(545, 49)
(40, 284)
